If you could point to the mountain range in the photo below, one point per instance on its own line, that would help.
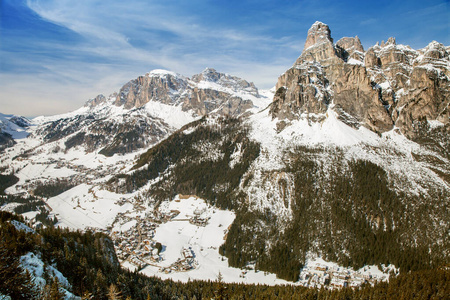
(346, 160)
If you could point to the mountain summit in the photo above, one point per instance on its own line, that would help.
(387, 86)
(318, 33)
(209, 91)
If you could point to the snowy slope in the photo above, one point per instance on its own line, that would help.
(391, 149)
(202, 242)
(14, 125)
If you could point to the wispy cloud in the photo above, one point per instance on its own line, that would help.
(369, 21)
(167, 35)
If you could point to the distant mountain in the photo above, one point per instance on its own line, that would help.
(12, 127)
(149, 108)
(205, 93)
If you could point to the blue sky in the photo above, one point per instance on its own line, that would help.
(56, 54)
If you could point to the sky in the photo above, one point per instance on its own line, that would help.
(57, 54)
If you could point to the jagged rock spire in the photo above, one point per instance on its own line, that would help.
(318, 33)
(350, 44)
(318, 45)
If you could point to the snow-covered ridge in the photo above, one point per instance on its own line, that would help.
(244, 94)
(33, 264)
(172, 115)
(161, 72)
(14, 125)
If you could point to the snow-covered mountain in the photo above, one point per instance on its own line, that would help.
(387, 86)
(348, 164)
(147, 109)
(11, 128)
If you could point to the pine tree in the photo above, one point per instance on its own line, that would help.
(220, 288)
(55, 292)
(114, 293)
(14, 282)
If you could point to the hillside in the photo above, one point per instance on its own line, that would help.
(60, 264)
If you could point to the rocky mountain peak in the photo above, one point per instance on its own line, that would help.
(387, 85)
(225, 80)
(162, 73)
(209, 74)
(209, 91)
(351, 48)
(317, 34)
(319, 45)
(350, 43)
(390, 41)
(435, 51)
(99, 99)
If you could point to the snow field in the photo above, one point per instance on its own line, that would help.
(86, 206)
(204, 242)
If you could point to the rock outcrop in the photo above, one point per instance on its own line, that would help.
(352, 47)
(388, 85)
(209, 91)
(158, 84)
(99, 99)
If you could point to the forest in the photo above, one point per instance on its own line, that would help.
(88, 261)
(352, 216)
(54, 188)
(7, 181)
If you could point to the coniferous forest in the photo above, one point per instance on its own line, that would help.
(89, 263)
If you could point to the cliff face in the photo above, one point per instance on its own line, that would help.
(388, 85)
(160, 85)
(203, 93)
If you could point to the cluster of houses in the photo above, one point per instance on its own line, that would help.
(334, 277)
(183, 264)
(136, 245)
(198, 221)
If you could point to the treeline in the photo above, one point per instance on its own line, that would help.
(208, 174)
(436, 139)
(6, 181)
(24, 204)
(129, 137)
(349, 213)
(30, 203)
(52, 189)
